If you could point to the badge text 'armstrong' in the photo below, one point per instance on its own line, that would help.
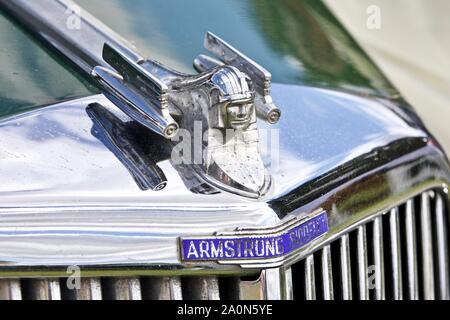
(255, 246)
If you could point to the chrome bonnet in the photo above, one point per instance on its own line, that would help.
(68, 199)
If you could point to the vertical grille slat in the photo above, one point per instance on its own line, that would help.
(287, 292)
(363, 280)
(411, 248)
(90, 289)
(327, 274)
(378, 258)
(42, 289)
(161, 288)
(442, 248)
(10, 289)
(346, 274)
(310, 279)
(201, 288)
(122, 289)
(396, 259)
(278, 284)
(236, 288)
(427, 248)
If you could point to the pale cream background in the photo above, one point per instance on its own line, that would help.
(412, 48)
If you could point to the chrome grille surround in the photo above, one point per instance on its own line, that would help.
(400, 254)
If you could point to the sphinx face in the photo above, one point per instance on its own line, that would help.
(236, 99)
(238, 116)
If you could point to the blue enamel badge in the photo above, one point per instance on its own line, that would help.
(254, 246)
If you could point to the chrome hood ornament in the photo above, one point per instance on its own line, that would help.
(212, 113)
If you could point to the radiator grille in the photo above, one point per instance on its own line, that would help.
(143, 288)
(402, 254)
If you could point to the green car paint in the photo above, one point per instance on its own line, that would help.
(298, 41)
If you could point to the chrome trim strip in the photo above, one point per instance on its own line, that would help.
(122, 289)
(161, 288)
(277, 284)
(363, 280)
(271, 284)
(310, 279)
(250, 290)
(396, 259)
(201, 288)
(442, 248)
(91, 289)
(346, 273)
(44, 289)
(378, 258)
(327, 274)
(287, 290)
(10, 289)
(427, 248)
(411, 247)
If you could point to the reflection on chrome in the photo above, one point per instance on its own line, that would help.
(85, 182)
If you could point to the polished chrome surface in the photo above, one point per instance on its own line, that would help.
(287, 292)
(276, 284)
(122, 289)
(123, 222)
(316, 281)
(442, 227)
(310, 278)
(201, 288)
(98, 196)
(150, 288)
(133, 101)
(378, 258)
(43, 289)
(363, 280)
(10, 289)
(346, 271)
(90, 289)
(327, 274)
(411, 249)
(261, 78)
(396, 256)
(426, 243)
(162, 288)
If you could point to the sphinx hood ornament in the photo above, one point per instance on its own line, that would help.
(220, 105)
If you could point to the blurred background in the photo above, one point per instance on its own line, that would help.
(412, 47)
